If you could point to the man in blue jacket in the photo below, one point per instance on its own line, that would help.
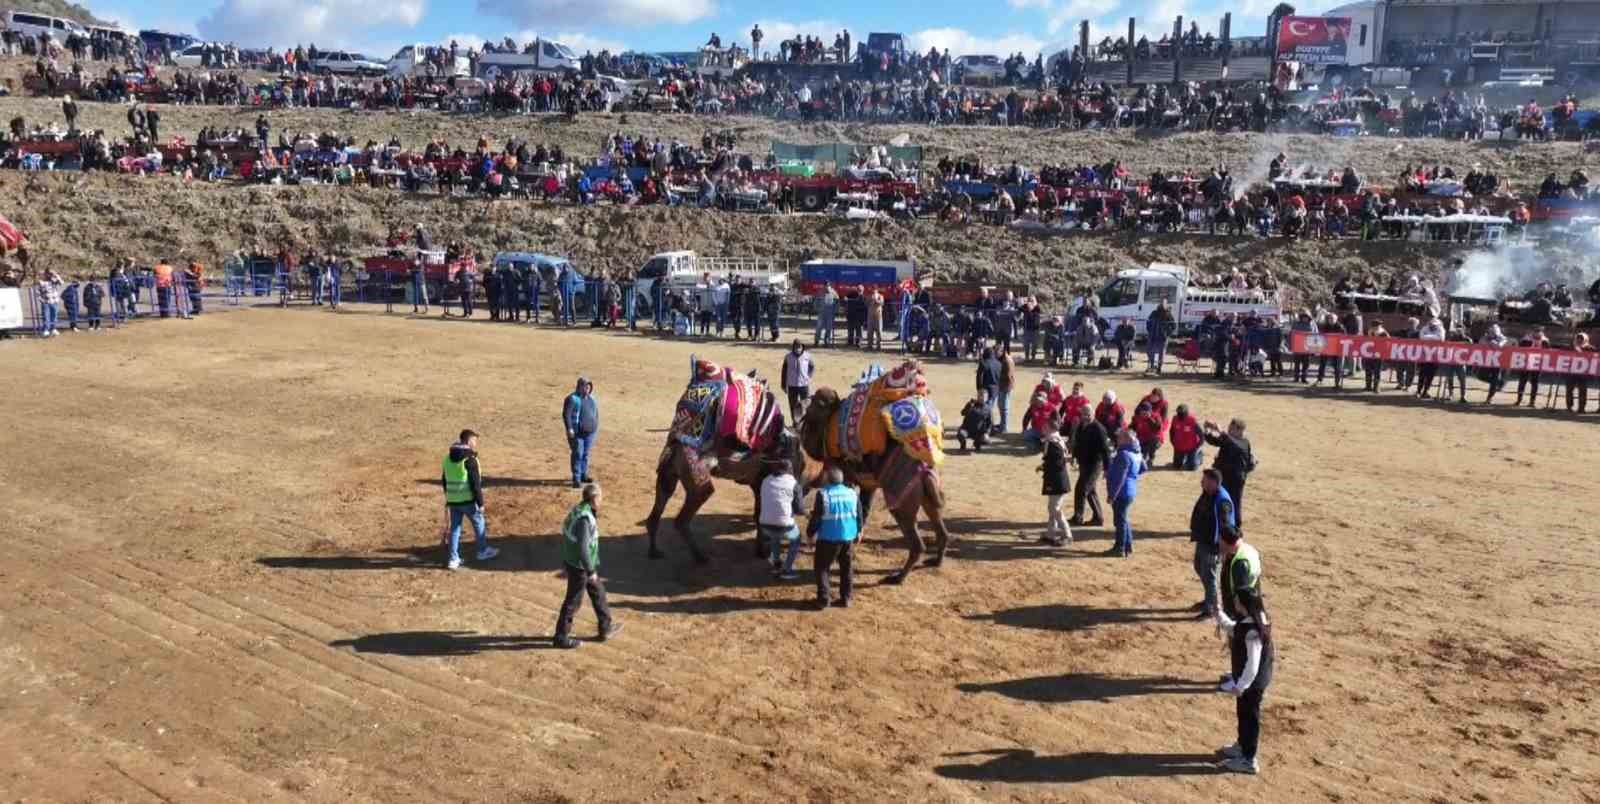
(569, 290)
(1211, 519)
(1122, 485)
(581, 417)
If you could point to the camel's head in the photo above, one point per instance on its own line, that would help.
(814, 424)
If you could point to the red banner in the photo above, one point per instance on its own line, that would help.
(1450, 353)
(1313, 40)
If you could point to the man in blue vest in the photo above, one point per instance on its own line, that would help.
(580, 414)
(580, 553)
(1242, 617)
(834, 523)
(463, 498)
(1212, 517)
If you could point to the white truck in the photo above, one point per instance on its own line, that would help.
(686, 272)
(1134, 294)
(542, 56)
(415, 61)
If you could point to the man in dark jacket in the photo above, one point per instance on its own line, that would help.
(1091, 448)
(581, 417)
(988, 375)
(463, 498)
(1212, 517)
(1234, 461)
(976, 421)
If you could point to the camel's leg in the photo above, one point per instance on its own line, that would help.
(693, 499)
(666, 484)
(762, 548)
(933, 506)
(906, 518)
(865, 512)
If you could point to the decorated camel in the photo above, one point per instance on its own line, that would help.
(885, 435)
(726, 426)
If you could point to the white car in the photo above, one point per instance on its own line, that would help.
(987, 69)
(190, 56)
(340, 62)
(30, 24)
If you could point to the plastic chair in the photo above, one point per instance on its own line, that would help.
(1189, 356)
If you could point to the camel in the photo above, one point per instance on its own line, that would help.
(744, 460)
(924, 493)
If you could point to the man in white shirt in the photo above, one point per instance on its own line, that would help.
(775, 527)
(1242, 618)
(719, 299)
(797, 371)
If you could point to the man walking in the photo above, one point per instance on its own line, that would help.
(1243, 618)
(462, 479)
(1211, 518)
(834, 523)
(580, 553)
(1234, 460)
(1091, 448)
(797, 371)
(581, 415)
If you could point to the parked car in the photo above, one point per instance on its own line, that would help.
(190, 56)
(30, 24)
(341, 62)
(986, 69)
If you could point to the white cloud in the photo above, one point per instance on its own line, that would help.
(964, 43)
(326, 23)
(632, 13)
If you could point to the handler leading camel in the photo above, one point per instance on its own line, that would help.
(886, 435)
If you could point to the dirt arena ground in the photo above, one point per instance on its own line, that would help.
(221, 583)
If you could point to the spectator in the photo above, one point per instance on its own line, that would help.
(463, 498)
(580, 555)
(93, 297)
(581, 415)
(50, 290)
(1057, 484)
(1008, 378)
(797, 371)
(69, 301)
(1213, 515)
(780, 503)
(1157, 329)
(976, 421)
(834, 523)
(1234, 460)
(1150, 430)
(1242, 617)
(1187, 440)
(1091, 448)
(1122, 485)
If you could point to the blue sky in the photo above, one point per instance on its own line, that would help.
(994, 27)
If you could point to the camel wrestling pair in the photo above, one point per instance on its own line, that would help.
(884, 435)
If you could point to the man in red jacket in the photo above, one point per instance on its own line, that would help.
(1187, 440)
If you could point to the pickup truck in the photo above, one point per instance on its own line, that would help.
(1134, 294)
(542, 56)
(413, 61)
(686, 271)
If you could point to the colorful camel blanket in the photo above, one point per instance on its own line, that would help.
(895, 405)
(720, 405)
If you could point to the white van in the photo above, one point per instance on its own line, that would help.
(29, 24)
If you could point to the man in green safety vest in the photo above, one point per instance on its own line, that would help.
(463, 498)
(1242, 617)
(580, 552)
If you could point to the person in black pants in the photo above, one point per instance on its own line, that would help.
(1242, 617)
(1577, 384)
(1234, 460)
(1532, 340)
(1091, 448)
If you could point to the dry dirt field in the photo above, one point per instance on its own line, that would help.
(221, 582)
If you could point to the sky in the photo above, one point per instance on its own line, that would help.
(379, 27)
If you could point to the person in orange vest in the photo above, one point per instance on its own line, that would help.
(163, 272)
